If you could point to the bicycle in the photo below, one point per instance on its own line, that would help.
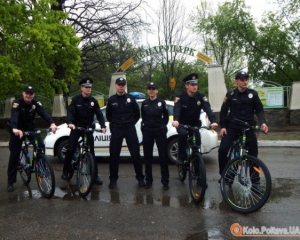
(83, 162)
(194, 165)
(38, 164)
(245, 181)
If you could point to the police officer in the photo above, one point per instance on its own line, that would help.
(242, 103)
(123, 113)
(187, 111)
(23, 113)
(155, 117)
(81, 113)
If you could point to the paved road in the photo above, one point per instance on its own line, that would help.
(129, 212)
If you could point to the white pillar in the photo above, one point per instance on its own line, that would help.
(216, 86)
(114, 76)
(59, 106)
(295, 96)
(8, 104)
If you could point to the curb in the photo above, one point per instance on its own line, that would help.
(284, 143)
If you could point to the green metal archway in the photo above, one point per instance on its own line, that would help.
(164, 48)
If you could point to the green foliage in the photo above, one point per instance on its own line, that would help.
(268, 50)
(34, 43)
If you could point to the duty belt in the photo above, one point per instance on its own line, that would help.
(125, 125)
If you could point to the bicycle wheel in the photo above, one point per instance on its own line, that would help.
(22, 169)
(197, 177)
(250, 191)
(85, 174)
(181, 172)
(44, 176)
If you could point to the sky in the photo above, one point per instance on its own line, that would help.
(257, 9)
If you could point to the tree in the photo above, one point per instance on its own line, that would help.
(33, 41)
(103, 24)
(269, 50)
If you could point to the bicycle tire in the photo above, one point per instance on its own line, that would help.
(181, 172)
(85, 174)
(242, 195)
(25, 175)
(197, 177)
(45, 177)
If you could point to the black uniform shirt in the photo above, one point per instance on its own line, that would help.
(81, 112)
(154, 113)
(122, 109)
(187, 109)
(23, 114)
(243, 106)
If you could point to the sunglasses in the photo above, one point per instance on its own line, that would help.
(121, 84)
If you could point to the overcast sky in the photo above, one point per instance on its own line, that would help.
(257, 9)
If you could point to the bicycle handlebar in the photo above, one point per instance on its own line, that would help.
(194, 128)
(246, 124)
(88, 130)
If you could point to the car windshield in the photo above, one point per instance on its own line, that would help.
(169, 107)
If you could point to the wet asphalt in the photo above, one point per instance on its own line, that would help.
(130, 212)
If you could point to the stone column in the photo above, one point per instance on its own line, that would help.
(216, 86)
(295, 96)
(8, 104)
(59, 106)
(114, 76)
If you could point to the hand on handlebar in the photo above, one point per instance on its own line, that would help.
(214, 125)
(264, 127)
(103, 130)
(175, 124)
(72, 126)
(18, 132)
(53, 127)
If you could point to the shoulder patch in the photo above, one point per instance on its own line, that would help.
(176, 99)
(16, 105)
(205, 99)
(39, 103)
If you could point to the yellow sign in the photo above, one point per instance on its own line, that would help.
(172, 83)
(127, 64)
(203, 57)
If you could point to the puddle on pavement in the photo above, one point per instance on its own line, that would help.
(281, 189)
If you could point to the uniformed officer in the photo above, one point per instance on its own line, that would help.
(81, 113)
(23, 113)
(123, 113)
(187, 111)
(155, 117)
(243, 103)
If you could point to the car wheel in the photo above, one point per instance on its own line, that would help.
(61, 150)
(173, 150)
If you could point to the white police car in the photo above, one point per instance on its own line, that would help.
(56, 144)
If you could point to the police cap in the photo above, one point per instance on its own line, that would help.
(191, 78)
(152, 85)
(241, 75)
(121, 81)
(86, 82)
(29, 89)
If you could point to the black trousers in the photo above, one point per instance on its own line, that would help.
(160, 138)
(15, 146)
(232, 133)
(72, 145)
(182, 136)
(117, 136)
